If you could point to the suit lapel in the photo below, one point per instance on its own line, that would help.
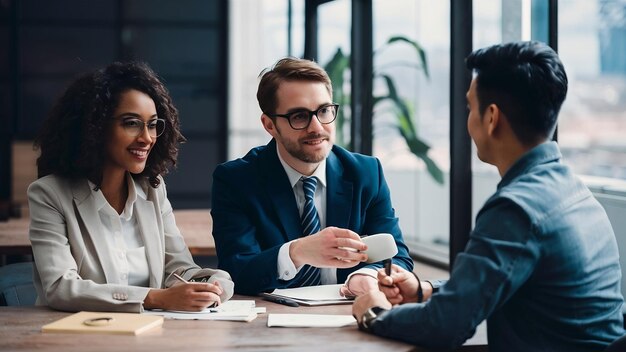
(338, 194)
(151, 238)
(88, 211)
(280, 192)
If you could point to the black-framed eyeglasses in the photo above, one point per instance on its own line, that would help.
(135, 127)
(301, 119)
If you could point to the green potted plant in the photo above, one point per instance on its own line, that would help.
(402, 109)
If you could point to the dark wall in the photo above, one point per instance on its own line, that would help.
(46, 44)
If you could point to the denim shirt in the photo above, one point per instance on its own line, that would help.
(541, 265)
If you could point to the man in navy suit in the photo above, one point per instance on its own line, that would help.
(291, 213)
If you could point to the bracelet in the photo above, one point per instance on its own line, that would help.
(420, 293)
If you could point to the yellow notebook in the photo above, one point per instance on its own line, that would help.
(105, 323)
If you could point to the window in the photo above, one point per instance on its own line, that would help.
(333, 42)
(420, 194)
(259, 37)
(592, 127)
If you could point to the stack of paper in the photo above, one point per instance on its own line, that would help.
(234, 310)
(313, 295)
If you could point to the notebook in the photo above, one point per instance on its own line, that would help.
(313, 295)
(105, 323)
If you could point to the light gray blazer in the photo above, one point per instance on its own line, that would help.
(73, 270)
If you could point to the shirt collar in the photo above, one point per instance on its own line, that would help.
(294, 176)
(541, 154)
(133, 192)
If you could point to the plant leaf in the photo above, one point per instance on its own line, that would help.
(421, 54)
(336, 69)
(404, 114)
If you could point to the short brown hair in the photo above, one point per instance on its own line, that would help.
(288, 69)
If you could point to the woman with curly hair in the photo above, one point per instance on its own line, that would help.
(103, 234)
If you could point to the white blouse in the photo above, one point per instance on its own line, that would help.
(123, 236)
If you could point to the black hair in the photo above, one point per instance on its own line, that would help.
(526, 80)
(73, 138)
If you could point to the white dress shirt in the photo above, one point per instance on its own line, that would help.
(286, 268)
(123, 237)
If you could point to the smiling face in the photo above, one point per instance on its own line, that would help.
(124, 151)
(303, 149)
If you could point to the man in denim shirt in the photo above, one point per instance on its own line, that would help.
(542, 263)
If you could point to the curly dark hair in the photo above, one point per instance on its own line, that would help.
(73, 138)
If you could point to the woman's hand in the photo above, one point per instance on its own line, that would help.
(194, 296)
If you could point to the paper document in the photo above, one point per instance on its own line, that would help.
(309, 320)
(234, 310)
(313, 295)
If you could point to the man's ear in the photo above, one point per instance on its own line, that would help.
(268, 124)
(493, 114)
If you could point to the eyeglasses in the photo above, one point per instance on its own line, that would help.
(135, 127)
(301, 119)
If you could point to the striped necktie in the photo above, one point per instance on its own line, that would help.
(308, 275)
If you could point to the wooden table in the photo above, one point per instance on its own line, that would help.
(195, 226)
(20, 330)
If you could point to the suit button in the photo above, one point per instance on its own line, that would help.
(120, 296)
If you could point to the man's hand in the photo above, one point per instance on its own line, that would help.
(358, 285)
(330, 248)
(400, 287)
(184, 296)
(367, 301)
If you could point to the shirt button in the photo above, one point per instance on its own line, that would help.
(124, 276)
(121, 255)
(286, 273)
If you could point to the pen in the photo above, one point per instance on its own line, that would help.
(180, 278)
(387, 264)
(279, 300)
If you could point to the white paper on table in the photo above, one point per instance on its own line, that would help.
(235, 310)
(312, 293)
(309, 320)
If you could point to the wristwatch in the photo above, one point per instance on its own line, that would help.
(369, 317)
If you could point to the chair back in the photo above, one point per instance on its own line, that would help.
(16, 285)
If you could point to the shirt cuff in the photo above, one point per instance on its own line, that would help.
(363, 271)
(286, 268)
(436, 284)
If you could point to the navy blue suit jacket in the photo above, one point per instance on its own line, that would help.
(254, 212)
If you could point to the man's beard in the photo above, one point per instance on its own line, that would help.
(297, 152)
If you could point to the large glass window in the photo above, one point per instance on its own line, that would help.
(592, 127)
(334, 55)
(495, 22)
(261, 33)
(411, 117)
